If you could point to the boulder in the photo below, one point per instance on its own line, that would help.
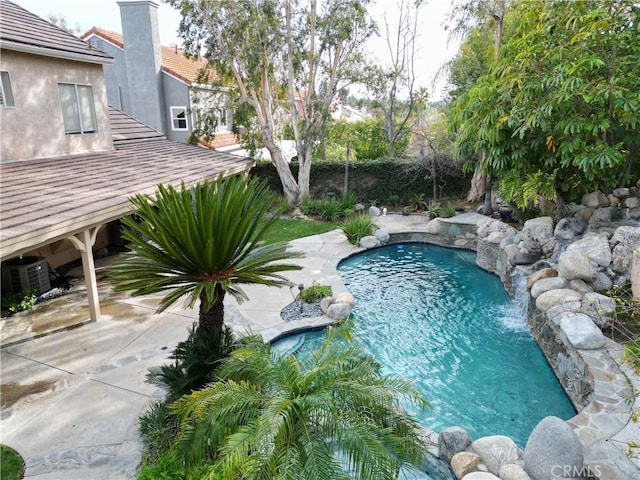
(546, 284)
(635, 275)
(613, 200)
(512, 471)
(518, 256)
(621, 192)
(595, 199)
(480, 476)
(369, 242)
(553, 298)
(452, 440)
(382, 235)
(600, 308)
(463, 463)
(572, 264)
(602, 282)
(552, 443)
(570, 228)
(358, 207)
(539, 275)
(580, 286)
(325, 303)
(632, 202)
(374, 211)
(581, 332)
(595, 247)
(538, 229)
(345, 297)
(496, 451)
(339, 311)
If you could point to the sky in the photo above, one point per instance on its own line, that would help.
(434, 48)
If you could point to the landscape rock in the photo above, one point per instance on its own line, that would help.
(613, 200)
(572, 264)
(512, 471)
(369, 242)
(551, 443)
(581, 331)
(595, 199)
(480, 476)
(452, 440)
(496, 451)
(621, 192)
(602, 282)
(374, 211)
(554, 298)
(382, 235)
(632, 202)
(539, 275)
(570, 228)
(518, 256)
(595, 247)
(580, 286)
(345, 297)
(463, 463)
(339, 311)
(600, 308)
(538, 229)
(546, 284)
(325, 303)
(358, 207)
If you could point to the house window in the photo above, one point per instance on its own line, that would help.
(78, 110)
(179, 118)
(6, 92)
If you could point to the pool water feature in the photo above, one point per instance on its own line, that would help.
(430, 314)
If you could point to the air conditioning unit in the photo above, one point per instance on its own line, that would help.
(26, 273)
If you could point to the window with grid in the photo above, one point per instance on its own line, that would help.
(78, 109)
(179, 118)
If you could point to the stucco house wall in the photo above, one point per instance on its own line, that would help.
(176, 94)
(37, 115)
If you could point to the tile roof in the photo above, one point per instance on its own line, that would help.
(174, 61)
(49, 199)
(24, 31)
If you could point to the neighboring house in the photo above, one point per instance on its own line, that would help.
(68, 162)
(158, 84)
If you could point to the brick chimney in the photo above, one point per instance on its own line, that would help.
(143, 57)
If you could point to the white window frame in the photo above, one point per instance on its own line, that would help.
(87, 122)
(6, 87)
(175, 112)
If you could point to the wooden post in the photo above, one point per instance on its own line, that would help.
(84, 242)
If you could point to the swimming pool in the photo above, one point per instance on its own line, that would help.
(429, 314)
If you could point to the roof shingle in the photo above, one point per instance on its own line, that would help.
(25, 31)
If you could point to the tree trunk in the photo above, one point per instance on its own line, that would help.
(345, 187)
(478, 182)
(289, 186)
(487, 209)
(212, 319)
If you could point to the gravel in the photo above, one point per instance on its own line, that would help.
(296, 310)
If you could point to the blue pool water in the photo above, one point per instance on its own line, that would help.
(430, 314)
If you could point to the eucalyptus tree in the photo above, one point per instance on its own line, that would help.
(200, 243)
(331, 415)
(291, 55)
(560, 113)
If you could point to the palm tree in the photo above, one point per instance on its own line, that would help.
(201, 242)
(331, 415)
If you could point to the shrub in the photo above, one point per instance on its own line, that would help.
(315, 293)
(11, 463)
(348, 201)
(19, 302)
(169, 467)
(159, 429)
(432, 210)
(310, 206)
(448, 210)
(282, 206)
(357, 227)
(196, 360)
(330, 210)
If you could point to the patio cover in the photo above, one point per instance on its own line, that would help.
(45, 200)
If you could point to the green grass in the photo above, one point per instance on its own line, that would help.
(285, 230)
(12, 465)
